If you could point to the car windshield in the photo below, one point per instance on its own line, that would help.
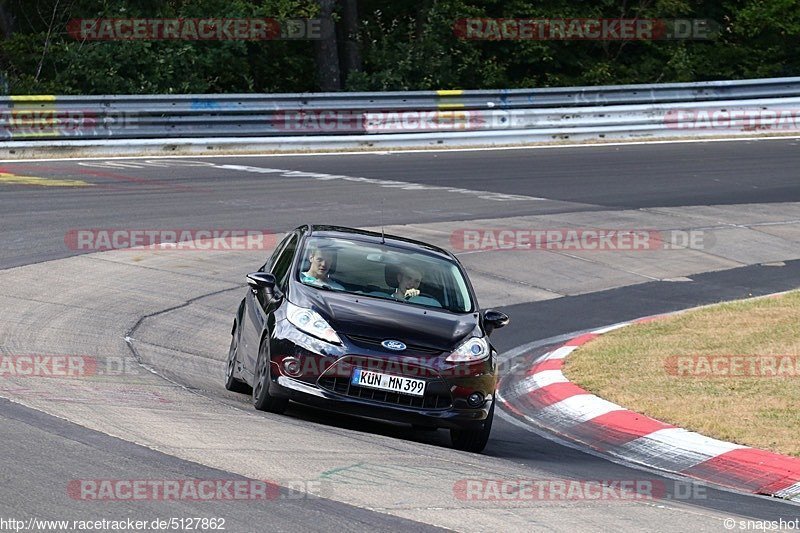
(384, 271)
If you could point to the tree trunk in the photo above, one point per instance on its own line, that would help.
(421, 18)
(6, 23)
(350, 51)
(325, 51)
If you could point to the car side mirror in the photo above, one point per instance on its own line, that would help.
(493, 320)
(262, 281)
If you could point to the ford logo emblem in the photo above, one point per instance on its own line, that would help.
(393, 345)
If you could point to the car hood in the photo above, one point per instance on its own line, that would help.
(375, 318)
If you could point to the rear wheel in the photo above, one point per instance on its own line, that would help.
(473, 440)
(232, 382)
(262, 400)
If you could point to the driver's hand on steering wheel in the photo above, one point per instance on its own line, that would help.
(410, 293)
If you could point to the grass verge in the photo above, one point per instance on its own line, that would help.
(729, 371)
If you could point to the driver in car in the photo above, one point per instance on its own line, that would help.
(320, 264)
(408, 280)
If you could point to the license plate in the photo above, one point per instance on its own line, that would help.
(376, 380)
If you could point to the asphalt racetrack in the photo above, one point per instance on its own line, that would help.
(165, 317)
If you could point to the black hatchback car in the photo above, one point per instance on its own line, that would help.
(368, 324)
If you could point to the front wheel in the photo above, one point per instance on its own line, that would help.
(473, 440)
(261, 397)
(233, 383)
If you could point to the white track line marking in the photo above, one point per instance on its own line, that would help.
(386, 152)
(577, 409)
(674, 449)
(561, 353)
(542, 379)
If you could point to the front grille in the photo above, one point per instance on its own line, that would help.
(337, 379)
(431, 400)
(375, 344)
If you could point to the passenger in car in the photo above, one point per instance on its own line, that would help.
(320, 263)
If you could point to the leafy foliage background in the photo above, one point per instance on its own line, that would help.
(403, 46)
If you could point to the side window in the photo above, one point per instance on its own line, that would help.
(284, 260)
(275, 253)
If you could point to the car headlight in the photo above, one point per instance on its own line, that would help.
(469, 351)
(310, 322)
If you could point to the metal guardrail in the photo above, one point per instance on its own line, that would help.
(644, 110)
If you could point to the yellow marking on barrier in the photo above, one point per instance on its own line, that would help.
(33, 98)
(455, 120)
(13, 179)
(452, 115)
(29, 134)
(33, 116)
(449, 104)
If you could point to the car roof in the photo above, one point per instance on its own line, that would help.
(318, 230)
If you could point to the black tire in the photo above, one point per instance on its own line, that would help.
(473, 440)
(261, 397)
(232, 382)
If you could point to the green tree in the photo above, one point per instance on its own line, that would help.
(381, 45)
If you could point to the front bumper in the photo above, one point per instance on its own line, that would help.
(323, 382)
(307, 394)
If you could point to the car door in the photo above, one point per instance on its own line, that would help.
(246, 329)
(259, 305)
